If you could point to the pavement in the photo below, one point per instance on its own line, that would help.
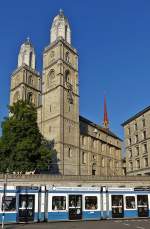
(103, 224)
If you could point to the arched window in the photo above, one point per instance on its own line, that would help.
(29, 97)
(67, 57)
(30, 80)
(50, 78)
(67, 76)
(66, 28)
(103, 162)
(30, 60)
(16, 97)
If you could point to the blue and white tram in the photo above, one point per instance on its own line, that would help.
(74, 203)
(38, 204)
(129, 202)
(21, 204)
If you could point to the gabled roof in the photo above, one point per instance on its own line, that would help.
(106, 131)
(136, 116)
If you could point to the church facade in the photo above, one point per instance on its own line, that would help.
(82, 147)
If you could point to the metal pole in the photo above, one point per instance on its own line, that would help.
(3, 201)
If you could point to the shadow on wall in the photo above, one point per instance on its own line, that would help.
(53, 167)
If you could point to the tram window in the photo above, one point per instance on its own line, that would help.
(130, 202)
(10, 203)
(117, 200)
(90, 202)
(142, 200)
(58, 203)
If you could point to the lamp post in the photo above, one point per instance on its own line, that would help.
(3, 200)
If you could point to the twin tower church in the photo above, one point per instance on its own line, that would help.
(82, 147)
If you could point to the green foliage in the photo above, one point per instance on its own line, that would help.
(22, 147)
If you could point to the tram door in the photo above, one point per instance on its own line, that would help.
(117, 206)
(142, 204)
(26, 207)
(75, 207)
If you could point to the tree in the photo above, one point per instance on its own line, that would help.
(22, 147)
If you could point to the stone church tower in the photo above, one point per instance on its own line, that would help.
(60, 96)
(25, 80)
(82, 147)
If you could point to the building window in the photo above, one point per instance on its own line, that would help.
(129, 141)
(131, 166)
(130, 153)
(144, 134)
(29, 97)
(90, 202)
(143, 122)
(137, 150)
(30, 80)
(109, 163)
(130, 202)
(94, 157)
(137, 164)
(67, 76)
(94, 143)
(93, 172)
(136, 138)
(83, 157)
(50, 108)
(58, 203)
(146, 162)
(135, 126)
(51, 77)
(128, 131)
(67, 57)
(103, 162)
(69, 152)
(145, 148)
(103, 147)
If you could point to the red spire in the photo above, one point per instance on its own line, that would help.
(106, 121)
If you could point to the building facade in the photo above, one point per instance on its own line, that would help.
(137, 143)
(82, 147)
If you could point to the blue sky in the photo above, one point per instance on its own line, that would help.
(113, 42)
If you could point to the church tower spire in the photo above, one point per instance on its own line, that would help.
(105, 121)
(60, 28)
(27, 54)
(25, 80)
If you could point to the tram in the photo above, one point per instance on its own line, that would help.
(50, 203)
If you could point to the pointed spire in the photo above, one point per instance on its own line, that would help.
(61, 12)
(105, 121)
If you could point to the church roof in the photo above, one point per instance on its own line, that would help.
(106, 131)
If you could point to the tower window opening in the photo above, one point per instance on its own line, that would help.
(29, 97)
(67, 73)
(67, 57)
(30, 80)
(30, 60)
(69, 152)
(66, 28)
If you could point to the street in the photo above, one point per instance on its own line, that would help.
(108, 224)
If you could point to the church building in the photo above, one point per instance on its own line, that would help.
(82, 147)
